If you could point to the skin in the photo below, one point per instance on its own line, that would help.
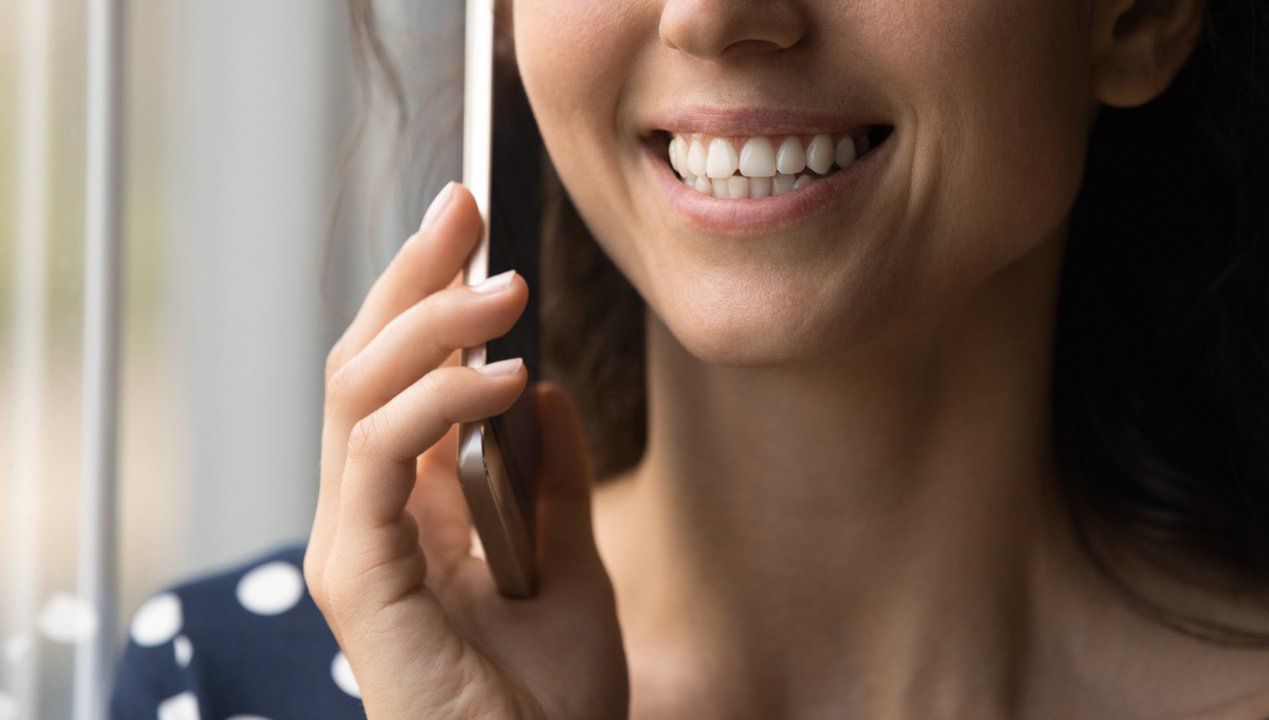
(848, 504)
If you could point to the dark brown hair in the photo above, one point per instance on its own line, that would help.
(1160, 399)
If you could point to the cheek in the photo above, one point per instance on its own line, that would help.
(576, 59)
(997, 97)
(573, 56)
(561, 40)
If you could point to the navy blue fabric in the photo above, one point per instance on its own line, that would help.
(243, 663)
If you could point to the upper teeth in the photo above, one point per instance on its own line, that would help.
(710, 163)
(722, 160)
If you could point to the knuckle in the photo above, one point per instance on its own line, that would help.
(313, 580)
(335, 358)
(335, 588)
(338, 603)
(339, 383)
(362, 437)
(433, 302)
(430, 387)
(438, 390)
(433, 326)
(373, 581)
(428, 322)
(427, 389)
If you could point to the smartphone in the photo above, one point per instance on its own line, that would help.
(498, 456)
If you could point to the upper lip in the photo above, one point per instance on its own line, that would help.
(752, 120)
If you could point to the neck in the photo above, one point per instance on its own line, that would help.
(875, 514)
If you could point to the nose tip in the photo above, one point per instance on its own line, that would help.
(713, 29)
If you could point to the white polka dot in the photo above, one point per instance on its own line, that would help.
(341, 671)
(271, 589)
(67, 618)
(16, 647)
(157, 620)
(184, 650)
(8, 707)
(179, 707)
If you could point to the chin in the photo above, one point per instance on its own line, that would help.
(753, 330)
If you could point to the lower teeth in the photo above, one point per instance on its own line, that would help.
(739, 187)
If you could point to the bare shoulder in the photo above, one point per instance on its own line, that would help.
(1196, 639)
(1234, 678)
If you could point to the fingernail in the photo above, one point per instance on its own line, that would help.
(502, 367)
(501, 281)
(438, 204)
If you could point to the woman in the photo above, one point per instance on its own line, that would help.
(955, 345)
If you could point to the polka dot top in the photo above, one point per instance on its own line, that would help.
(244, 644)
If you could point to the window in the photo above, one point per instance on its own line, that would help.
(185, 438)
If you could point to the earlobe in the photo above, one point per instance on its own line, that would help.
(1138, 46)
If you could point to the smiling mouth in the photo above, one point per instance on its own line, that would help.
(744, 167)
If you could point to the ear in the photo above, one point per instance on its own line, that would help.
(1138, 47)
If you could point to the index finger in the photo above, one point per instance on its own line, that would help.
(431, 259)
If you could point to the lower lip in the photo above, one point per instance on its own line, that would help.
(754, 216)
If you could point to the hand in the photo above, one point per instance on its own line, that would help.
(389, 562)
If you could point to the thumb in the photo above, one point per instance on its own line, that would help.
(566, 539)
